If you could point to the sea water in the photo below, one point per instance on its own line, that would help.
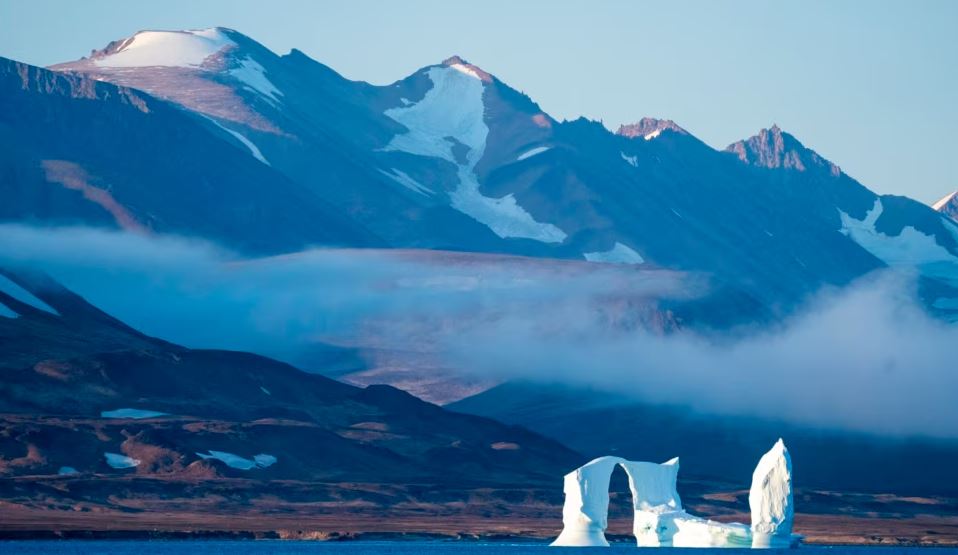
(288, 547)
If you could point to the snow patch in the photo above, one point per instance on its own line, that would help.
(235, 461)
(7, 312)
(253, 149)
(135, 414)
(453, 107)
(632, 160)
(167, 49)
(253, 75)
(264, 390)
(466, 70)
(532, 152)
(944, 200)
(653, 135)
(67, 471)
(910, 248)
(403, 179)
(618, 254)
(11, 288)
(116, 460)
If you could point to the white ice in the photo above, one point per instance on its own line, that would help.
(944, 200)
(403, 179)
(253, 75)
(167, 49)
(117, 460)
(453, 107)
(532, 152)
(618, 254)
(7, 312)
(253, 149)
(11, 288)
(235, 461)
(632, 160)
(660, 520)
(910, 248)
(770, 499)
(135, 414)
(586, 510)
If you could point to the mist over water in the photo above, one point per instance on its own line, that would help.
(866, 358)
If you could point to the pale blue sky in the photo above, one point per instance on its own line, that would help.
(871, 85)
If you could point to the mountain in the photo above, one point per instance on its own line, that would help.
(598, 423)
(79, 384)
(453, 158)
(948, 205)
(81, 151)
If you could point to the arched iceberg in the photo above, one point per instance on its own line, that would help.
(660, 520)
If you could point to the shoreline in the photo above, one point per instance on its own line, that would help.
(819, 530)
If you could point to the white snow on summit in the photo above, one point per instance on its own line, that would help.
(532, 152)
(632, 160)
(618, 254)
(167, 49)
(944, 200)
(466, 70)
(909, 248)
(8, 286)
(453, 107)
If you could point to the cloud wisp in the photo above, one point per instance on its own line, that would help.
(867, 358)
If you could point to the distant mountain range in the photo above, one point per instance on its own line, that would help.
(192, 132)
(209, 134)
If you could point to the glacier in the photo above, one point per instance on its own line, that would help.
(453, 108)
(660, 520)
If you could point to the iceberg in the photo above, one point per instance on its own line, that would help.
(586, 510)
(770, 499)
(660, 520)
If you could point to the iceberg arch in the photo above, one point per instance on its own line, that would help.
(660, 520)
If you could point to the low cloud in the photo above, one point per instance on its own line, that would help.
(866, 358)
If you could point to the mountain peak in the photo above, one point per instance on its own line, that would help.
(460, 64)
(156, 48)
(948, 205)
(649, 128)
(775, 148)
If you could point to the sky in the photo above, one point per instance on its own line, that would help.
(869, 84)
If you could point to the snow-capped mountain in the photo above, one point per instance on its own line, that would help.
(453, 158)
(948, 205)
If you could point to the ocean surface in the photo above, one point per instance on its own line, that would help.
(280, 547)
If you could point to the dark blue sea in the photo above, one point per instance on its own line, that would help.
(286, 547)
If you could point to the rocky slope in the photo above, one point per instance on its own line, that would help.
(85, 395)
